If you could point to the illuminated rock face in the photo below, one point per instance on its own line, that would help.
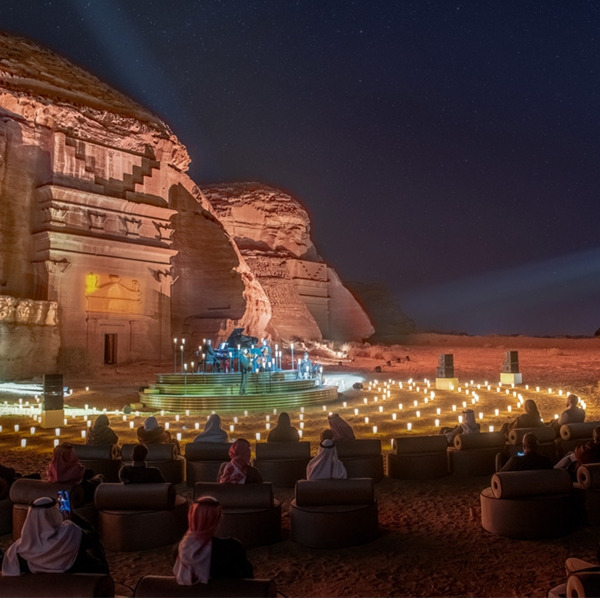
(272, 231)
(92, 187)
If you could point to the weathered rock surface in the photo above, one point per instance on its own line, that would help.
(272, 231)
(92, 186)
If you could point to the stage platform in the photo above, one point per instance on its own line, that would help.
(212, 391)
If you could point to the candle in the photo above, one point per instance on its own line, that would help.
(409, 426)
(179, 437)
(89, 423)
(231, 428)
(64, 421)
(345, 405)
(356, 411)
(324, 408)
(491, 428)
(162, 413)
(23, 442)
(131, 424)
(365, 401)
(300, 433)
(437, 422)
(167, 425)
(460, 418)
(16, 428)
(235, 419)
(509, 408)
(268, 418)
(57, 432)
(374, 428)
(438, 411)
(197, 425)
(480, 416)
(399, 406)
(187, 413)
(381, 409)
(56, 442)
(394, 416)
(301, 424)
(177, 417)
(245, 413)
(32, 430)
(496, 412)
(258, 437)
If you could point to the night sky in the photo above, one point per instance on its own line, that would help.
(450, 150)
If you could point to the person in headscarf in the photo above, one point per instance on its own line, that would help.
(326, 464)
(201, 556)
(467, 426)
(138, 471)
(153, 433)
(212, 431)
(238, 469)
(283, 431)
(101, 433)
(342, 431)
(531, 418)
(51, 542)
(66, 468)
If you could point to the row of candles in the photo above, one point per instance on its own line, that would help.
(385, 388)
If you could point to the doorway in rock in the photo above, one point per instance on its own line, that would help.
(110, 348)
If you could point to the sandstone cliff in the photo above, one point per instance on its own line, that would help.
(272, 231)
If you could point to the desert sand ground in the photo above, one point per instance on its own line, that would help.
(431, 543)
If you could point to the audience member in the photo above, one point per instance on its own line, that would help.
(153, 433)
(212, 431)
(326, 464)
(342, 431)
(51, 542)
(467, 426)
(573, 413)
(238, 469)
(11, 475)
(530, 460)
(138, 471)
(66, 468)
(101, 433)
(531, 418)
(581, 455)
(202, 556)
(283, 431)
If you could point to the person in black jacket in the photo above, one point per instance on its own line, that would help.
(530, 460)
(139, 471)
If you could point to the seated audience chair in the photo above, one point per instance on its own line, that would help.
(574, 434)
(475, 454)
(154, 586)
(587, 491)
(546, 437)
(203, 459)
(102, 459)
(282, 463)
(334, 513)
(250, 513)
(24, 491)
(162, 456)
(139, 516)
(418, 457)
(57, 585)
(362, 458)
(529, 505)
(5, 507)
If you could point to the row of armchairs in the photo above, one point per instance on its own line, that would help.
(79, 585)
(135, 517)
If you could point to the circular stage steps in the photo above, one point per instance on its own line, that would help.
(212, 391)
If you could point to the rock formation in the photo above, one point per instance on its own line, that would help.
(272, 231)
(91, 188)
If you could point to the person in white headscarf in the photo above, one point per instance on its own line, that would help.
(326, 464)
(202, 556)
(212, 431)
(466, 426)
(51, 543)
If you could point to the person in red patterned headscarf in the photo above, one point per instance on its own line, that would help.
(238, 469)
(202, 556)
